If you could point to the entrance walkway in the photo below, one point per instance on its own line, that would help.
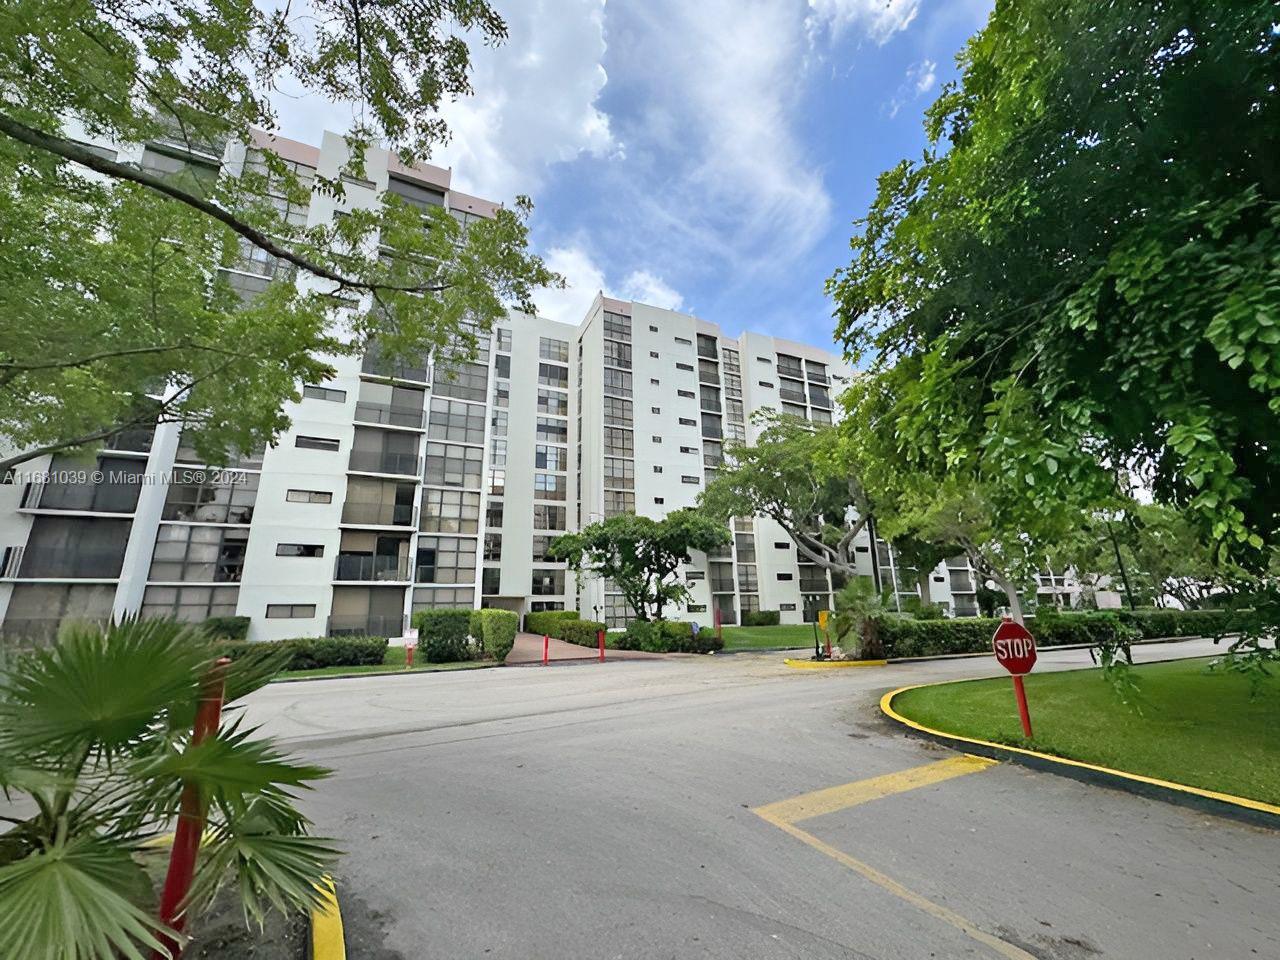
(528, 650)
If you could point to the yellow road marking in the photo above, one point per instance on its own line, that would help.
(1007, 950)
(860, 791)
(784, 815)
(327, 942)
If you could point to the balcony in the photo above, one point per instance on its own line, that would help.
(89, 497)
(388, 415)
(135, 440)
(721, 585)
(371, 568)
(379, 367)
(377, 514)
(790, 368)
(819, 397)
(712, 431)
(818, 376)
(56, 563)
(711, 404)
(814, 586)
(380, 461)
(367, 625)
(794, 395)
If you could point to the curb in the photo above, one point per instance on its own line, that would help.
(1254, 812)
(1042, 649)
(384, 673)
(327, 940)
(832, 664)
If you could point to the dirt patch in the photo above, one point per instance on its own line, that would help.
(222, 934)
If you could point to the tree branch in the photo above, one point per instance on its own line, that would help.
(69, 150)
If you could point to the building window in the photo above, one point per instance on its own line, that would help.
(217, 497)
(688, 449)
(683, 341)
(789, 366)
(550, 458)
(549, 349)
(446, 560)
(450, 511)
(290, 611)
(616, 611)
(657, 469)
(747, 578)
(498, 452)
(492, 549)
(548, 517)
(617, 354)
(549, 401)
(501, 393)
(786, 607)
(652, 328)
(781, 545)
(618, 327)
(428, 598)
(308, 496)
(190, 603)
(688, 479)
(619, 473)
(465, 382)
(656, 439)
(313, 392)
(618, 502)
(542, 548)
(618, 442)
(316, 443)
(653, 354)
(299, 549)
(618, 382)
(454, 420)
(550, 486)
(550, 375)
(449, 465)
(766, 384)
(493, 514)
(504, 339)
(490, 581)
(209, 554)
(659, 500)
(687, 394)
(655, 410)
(617, 412)
(685, 366)
(554, 430)
(686, 422)
(785, 576)
(547, 583)
(497, 483)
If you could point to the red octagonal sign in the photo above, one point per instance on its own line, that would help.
(1014, 647)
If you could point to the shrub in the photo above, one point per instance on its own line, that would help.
(226, 628)
(496, 631)
(646, 635)
(928, 611)
(760, 618)
(312, 653)
(687, 640)
(581, 632)
(543, 622)
(442, 634)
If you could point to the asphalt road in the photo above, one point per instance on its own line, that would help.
(609, 811)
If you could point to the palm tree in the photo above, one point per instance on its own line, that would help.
(96, 747)
(857, 605)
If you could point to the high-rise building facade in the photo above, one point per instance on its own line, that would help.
(405, 487)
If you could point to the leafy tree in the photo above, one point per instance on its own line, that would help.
(858, 603)
(114, 309)
(1092, 232)
(796, 474)
(95, 736)
(642, 555)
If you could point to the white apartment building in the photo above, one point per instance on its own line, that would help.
(409, 487)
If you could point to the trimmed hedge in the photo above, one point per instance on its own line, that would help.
(496, 631)
(545, 621)
(226, 628)
(760, 618)
(667, 636)
(581, 632)
(312, 653)
(442, 634)
(903, 637)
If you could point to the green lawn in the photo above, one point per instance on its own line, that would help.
(392, 662)
(785, 635)
(1196, 727)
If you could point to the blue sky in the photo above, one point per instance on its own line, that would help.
(707, 155)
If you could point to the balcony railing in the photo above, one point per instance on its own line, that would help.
(712, 431)
(378, 514)
(719, 585)
(376, 365)
(814, 586)
(371, 625)
(389, 415)
(795, 396)
(20, 632)
(88, 496)
(711, 405)
(56, 563)
(820, 398)
(364, 567)
(10, 561)
(379, 461)
(817, 377)
(136, 440)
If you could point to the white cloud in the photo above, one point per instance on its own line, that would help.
(921, 78)
(643, 286)
(584, 278)
(535, 100)
(880, 19)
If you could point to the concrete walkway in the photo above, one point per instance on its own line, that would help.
(528, 650)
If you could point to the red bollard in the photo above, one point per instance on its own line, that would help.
(600, 639)
(408, 654)
(186, 838)
(546, 649)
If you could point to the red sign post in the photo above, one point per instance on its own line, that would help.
(1015, 650)
(600, 640)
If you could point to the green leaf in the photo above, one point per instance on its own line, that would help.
(70, 902)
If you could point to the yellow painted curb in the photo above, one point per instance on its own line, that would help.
(886, 707)
(327, 941)
(833, 664)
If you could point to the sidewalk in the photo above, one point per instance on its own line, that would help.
(528, 650)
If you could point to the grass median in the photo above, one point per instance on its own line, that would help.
(1197, 727)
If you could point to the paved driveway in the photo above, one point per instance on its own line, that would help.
(648, 810)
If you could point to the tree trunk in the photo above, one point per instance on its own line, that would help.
(922, 584)
(1015, 602)
(870, 647)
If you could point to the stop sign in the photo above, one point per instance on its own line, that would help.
(1014, 647)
